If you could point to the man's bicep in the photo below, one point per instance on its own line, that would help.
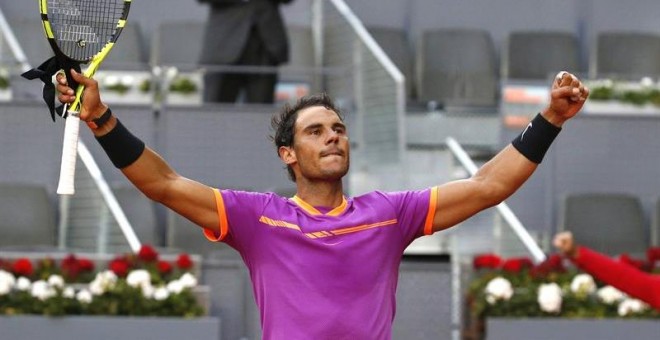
(195, 201)
(457, 201)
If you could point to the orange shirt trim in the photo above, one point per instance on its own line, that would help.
(212, 235)
(430, 214)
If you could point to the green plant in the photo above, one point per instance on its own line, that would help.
(4, 82)
(183, 85)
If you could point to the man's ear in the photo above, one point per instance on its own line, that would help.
(287, 155)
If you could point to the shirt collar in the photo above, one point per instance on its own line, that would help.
(313, 211)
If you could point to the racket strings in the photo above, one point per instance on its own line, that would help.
(83, 27)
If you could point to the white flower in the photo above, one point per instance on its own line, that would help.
(69, 293)
(138, 278)
(498, 288)
(646, 82)
(111, 80)
(631, 306)
(84, 296)
(108, 277)
(147, 291)
(7, 281)
(42, 290)
(188, 280)
(550, 298)
(23, 284)
(103, 282)
(175, 287)
(609, 295)
(161, 294)
(56, 281)
(127, 80)
(583, 285)
(96, 287)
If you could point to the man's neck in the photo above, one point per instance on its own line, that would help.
(321, 194)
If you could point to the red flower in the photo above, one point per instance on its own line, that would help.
(86, 265)
(23, 267)
(553, 264)
(625, 258)
(490, 261)
(653, 255)
(70, 266)
(147, 254)
(164, 267)
(119, 266)
(515, 265)
(184, 262)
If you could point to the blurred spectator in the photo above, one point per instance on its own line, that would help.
(623, 276)
(243, 33)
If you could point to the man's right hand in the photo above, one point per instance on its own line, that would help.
(565, 244)
(92, 107)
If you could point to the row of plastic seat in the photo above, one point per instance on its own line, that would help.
(460, 66)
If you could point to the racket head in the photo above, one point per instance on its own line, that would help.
(78, 30)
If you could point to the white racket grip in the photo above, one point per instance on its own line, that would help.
(69, 154)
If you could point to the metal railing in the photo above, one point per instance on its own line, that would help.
(88, 218)
(369, 82)
(15, 48)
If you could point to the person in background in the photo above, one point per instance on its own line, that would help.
(624, 277)
(243, 33)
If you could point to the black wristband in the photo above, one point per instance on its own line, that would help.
(122, 147)
(536, 139)
(98, 122)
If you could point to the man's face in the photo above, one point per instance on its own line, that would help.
(320, 149)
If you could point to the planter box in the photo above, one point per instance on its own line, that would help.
(563, 329)
(30, 327)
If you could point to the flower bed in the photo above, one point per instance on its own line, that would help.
(516, 288)
(129, 285)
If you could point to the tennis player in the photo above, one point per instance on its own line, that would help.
(324, 265)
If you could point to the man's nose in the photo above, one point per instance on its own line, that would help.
(333, 137)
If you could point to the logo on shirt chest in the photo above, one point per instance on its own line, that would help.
(326, 233)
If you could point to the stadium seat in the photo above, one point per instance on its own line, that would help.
(611, 223)
(655, 225)
(27, 217)
(627, 55)
(457, 67)
(394, 43)
(140, 212)
(538, 55)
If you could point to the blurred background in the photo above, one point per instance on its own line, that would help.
(431, 89)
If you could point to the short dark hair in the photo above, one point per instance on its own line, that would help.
(284, 122)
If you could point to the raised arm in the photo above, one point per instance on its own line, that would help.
(141, 165)
(510, 168)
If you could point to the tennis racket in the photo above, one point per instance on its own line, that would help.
(80, 32)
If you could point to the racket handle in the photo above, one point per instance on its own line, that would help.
(69, 154)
